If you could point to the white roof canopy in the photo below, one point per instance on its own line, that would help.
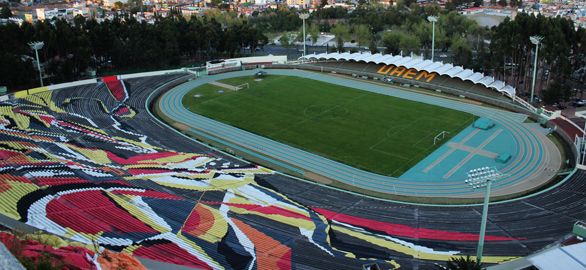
(419, 65)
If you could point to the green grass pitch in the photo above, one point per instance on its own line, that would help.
(373, 132)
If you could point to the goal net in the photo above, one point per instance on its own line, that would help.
(242, 86)
(439, 137)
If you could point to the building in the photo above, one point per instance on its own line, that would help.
(110, 3)
(299, 3)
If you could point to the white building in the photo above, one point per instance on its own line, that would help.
(299, 3)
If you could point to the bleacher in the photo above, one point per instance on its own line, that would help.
(75, 170)
(116, 87)
(440, 82)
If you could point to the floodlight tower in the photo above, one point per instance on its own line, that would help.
(304, 16)
(535, 40)
(36, 46)
(433, 20)
(483, 178)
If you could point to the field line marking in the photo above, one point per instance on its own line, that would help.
(391, 154)
(467, 148)
(472, 154)
(318, 115)
(449, 152)
(394, 130)
(439, 160)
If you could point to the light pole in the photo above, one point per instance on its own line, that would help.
(432, 19)
(304, 17)
(37, 45)
(483, 178)
(535, 40)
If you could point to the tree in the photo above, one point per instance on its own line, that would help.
(313, 32)
(397, 41)
(285, 41)
(362, 35)
(323, 3)
(118, 5)
(391, 40)
(462, 51)
(462, 263)
(405, 3)
(135, 6)
(299, 35)
(341, 32)
(5, 12)
(556, 92)
(502, 3)
(372, 46)
(410, 44)
(15, 73)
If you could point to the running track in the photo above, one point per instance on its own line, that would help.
(536, 162)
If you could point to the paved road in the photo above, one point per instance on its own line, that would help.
(536, 162)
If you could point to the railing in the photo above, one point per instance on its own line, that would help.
(26, 92)
(525, 104)
(151, 73)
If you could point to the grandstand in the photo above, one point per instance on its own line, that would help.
(411, 71)
(410, 63)
(110, 173)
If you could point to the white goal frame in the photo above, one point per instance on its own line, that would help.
(242, 86)
(440, 136)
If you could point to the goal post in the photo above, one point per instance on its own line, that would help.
(439, 137)
(243, 85)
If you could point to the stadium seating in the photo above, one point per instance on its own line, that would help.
(443, 82)
(116, 87)
(105, 172)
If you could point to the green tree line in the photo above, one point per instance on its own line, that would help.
(504, 51)
(123, 43)
(119, 44)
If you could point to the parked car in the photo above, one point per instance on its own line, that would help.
(388, 79)
(579, 102)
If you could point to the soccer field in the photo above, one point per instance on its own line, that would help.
(373, 132)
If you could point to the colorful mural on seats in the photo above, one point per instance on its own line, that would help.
(61, 172)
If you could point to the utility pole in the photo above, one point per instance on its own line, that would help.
(304, 16)
(535, 40)
(433, 20)
(483, 178)
(36, 46)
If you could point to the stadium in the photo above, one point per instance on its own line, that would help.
(240, 165)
